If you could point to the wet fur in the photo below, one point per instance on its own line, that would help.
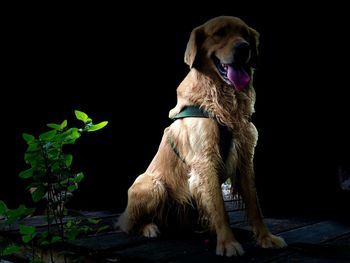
(195, 182)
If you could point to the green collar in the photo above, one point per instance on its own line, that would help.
(191, 111)
(194, 111)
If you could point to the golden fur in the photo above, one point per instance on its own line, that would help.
(168, 179)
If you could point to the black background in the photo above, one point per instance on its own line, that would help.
(123, 64)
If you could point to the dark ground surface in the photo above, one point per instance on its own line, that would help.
(309, 240)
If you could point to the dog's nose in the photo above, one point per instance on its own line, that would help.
(241, 52)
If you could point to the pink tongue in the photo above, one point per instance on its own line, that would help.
(238, 77)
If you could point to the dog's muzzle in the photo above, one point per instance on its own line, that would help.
(236, 73)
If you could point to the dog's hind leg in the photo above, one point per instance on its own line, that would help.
(146, 198)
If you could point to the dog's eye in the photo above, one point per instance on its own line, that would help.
(220, 32)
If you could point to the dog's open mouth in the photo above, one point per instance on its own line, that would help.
(233, 74)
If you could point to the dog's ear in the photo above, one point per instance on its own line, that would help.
(193, 45)
(254, 43)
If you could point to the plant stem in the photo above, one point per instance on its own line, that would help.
(49, 196)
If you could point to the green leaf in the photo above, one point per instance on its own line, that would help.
(26, 174)
(10, 249)
(54, 126)
(69, 141)
(18, 213)
(46, 136)
(44, 242)
(72, 188)
(96, 127)
(56, 239)
(33, 158)
(71, 135)
(86, 229)
(72, 233)
(81, 116)
(53, 154)
(28, 137)
(64, 182)
(3, 208)
(93, 221)
(53, 145)
(33, 185)
(26, 230)
(68, 159)
(102, 228)
(27, 238)
(78, 178)
(64, 124)
(33, 147)
(69, 223)
(55, 166)
(75, 134)
(28, 233)
(44, 235)
(39, 173)
(38, 194)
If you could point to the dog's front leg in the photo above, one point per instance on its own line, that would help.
(246, 184)
(206, 190)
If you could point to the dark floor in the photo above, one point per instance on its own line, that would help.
(309, 240)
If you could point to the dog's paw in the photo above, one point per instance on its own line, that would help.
(150, 230)
(271, 241)
(229, 249)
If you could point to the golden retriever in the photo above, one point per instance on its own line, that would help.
(190, 165)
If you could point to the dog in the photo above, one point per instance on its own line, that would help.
(215, 100)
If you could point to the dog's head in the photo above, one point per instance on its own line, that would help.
(224, 45)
